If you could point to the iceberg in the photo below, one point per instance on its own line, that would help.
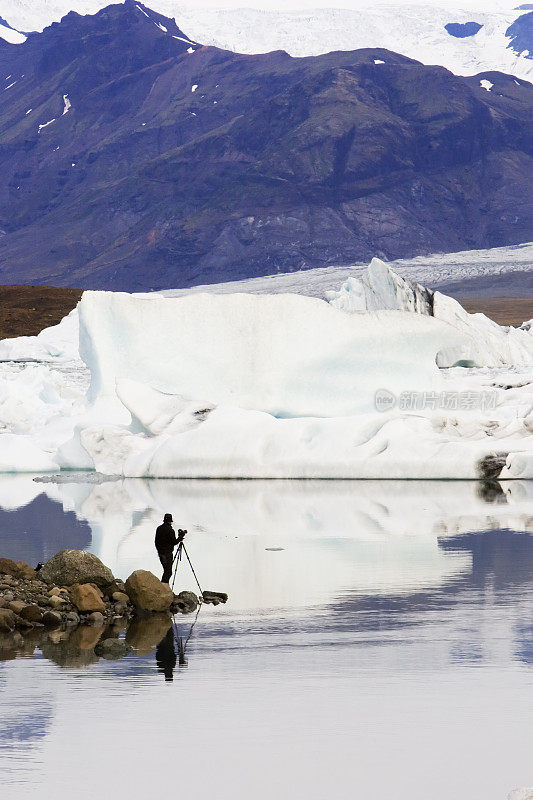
(380, 379)
(285, 355)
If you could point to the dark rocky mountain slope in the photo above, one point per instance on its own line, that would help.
(123, 175)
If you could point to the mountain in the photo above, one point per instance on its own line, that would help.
(465, 36)
(134, 158)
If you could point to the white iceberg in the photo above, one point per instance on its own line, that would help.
(243, 385)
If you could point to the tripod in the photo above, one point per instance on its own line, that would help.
(177, 558)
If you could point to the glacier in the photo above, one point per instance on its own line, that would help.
(302, 28)
(382, 378)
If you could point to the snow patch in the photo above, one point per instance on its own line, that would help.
(194, 87)
(183, 39)
(29, 111)
(486, 84)
(378, 61)
(10, 85)
(11, 36)
(190, 50)
(46, 124)
(67, 105)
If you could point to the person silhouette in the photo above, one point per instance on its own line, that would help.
(165, 655)
(165, 542)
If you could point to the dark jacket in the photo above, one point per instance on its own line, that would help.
(165, 538)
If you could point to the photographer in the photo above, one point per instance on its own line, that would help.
(165, 541)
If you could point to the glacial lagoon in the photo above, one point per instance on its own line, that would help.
(377, 643)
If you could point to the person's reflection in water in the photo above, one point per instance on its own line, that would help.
(165, 655)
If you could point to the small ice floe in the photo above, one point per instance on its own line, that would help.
(194, 87)
(46, 124)
(29, 111)
(486, 84)
(161, 27)
(73, 164)
(378, 61)
(215, 102)
(193, 113)
(143, 124)
(67, 105)
(190, 50)
(10, 85)
(143, 12)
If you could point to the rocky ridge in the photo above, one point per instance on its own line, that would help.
(135, 158)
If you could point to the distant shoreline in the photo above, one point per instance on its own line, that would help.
(27, 310)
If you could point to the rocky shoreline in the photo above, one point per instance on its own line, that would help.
(74, 605)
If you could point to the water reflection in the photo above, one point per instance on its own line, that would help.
(367, 624)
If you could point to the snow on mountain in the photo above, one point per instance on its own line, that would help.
(467, 37)
(9, 35)
(273, 386)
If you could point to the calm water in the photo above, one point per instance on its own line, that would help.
(377, 643)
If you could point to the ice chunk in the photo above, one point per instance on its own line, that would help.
(381, 288)
(194, 87)
(157, 412)
(484, 342)
(58, 343)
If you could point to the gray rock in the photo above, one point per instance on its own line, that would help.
(52, 619)
(9, 596)
(76, 566)
(185, 602)
(71, 618)
(112, 649)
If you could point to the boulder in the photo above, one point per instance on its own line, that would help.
(17, 569)
(120, 597)
(75, 566)
(16, 606)
(186, 602)
(86, 597)
(7, 620)
(32, 613)
(55, 602)
(51, 619)
(147, 592)
(115, 586)
(112, 649)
